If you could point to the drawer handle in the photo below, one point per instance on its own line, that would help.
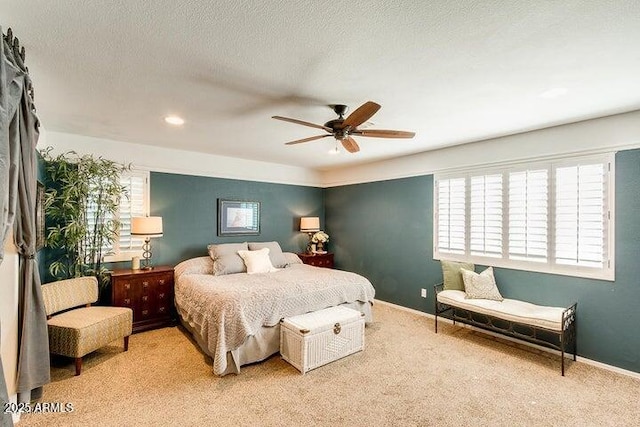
(127, 301)
(161, 309)
(127, 286)
(161, 295)
(145, 298)
(145, 284)
(337, 328)
(145, 312)
(161, 281)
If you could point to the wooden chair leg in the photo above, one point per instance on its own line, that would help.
(78, 365)
(126, 343)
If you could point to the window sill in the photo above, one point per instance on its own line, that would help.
(122, 256)
(606, 274)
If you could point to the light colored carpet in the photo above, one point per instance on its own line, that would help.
(406, 376)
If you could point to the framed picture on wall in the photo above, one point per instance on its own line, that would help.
(39, 216)
(238, 217)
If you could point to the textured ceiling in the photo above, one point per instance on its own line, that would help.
(452, 71)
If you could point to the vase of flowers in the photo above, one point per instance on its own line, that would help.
(319, 239)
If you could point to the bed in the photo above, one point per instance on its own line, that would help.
(235, 317)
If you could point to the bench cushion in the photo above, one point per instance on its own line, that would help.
(507, 309)
(78, 332)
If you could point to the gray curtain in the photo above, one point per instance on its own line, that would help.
(33, 338)
(18, 139)
(5, 224)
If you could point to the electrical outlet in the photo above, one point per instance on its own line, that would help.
(423, 293)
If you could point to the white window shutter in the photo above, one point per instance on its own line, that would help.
(580, 215)
(528, 215)
(553, 216)
(451, 233)
(486, 215)
(133, 205)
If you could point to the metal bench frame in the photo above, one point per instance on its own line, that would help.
(563, 340)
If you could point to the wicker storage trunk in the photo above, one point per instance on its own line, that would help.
(314, 339)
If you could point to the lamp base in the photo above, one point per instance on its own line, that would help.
(146, 255)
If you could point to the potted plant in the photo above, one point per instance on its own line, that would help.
(82, 199)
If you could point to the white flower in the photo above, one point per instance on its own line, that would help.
(320, 237)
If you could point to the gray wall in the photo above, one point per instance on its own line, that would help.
(188, 207)
(384, 231)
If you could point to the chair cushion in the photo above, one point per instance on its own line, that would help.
(78, 332)
(69, 293)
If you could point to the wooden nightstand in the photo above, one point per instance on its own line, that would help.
(149, 293)
(318, 260)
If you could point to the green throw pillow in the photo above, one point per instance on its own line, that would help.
(451, 275)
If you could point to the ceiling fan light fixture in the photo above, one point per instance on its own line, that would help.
(174, 120)
(342, 129)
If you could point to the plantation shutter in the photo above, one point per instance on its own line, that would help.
(554, 216)
(451, 216)
(528, 215)
(131, 205)
(486, 215)
(580, 215)
(92, 210)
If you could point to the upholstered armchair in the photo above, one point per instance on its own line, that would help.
(75, 327)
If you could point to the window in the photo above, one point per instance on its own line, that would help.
(136, 203)
(552, 217)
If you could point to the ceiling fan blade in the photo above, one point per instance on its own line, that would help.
(361, 114)
(303, 123)
(350, 144)
(380, 133)
(311, 138)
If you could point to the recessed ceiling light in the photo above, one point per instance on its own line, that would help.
(554, 93)
(174, 120)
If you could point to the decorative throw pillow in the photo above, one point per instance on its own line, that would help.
(291, 258)
(452, 278)
(481, 286)
(226, 259)
(275, 252)
(257, 261)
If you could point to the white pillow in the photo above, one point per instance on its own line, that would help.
(275, 252)
(480, 286)
(257, 261)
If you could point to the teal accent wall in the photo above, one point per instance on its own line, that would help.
(188, 207)
(384, 231)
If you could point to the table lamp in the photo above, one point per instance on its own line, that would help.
(146, 227)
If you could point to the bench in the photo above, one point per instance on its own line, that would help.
(551, 327)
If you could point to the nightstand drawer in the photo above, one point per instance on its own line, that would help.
(318, 260)
(149, 293)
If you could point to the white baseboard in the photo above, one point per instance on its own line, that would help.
(515, 340)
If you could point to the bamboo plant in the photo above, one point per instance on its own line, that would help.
(81, 204)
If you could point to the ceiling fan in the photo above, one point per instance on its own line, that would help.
(342, 129)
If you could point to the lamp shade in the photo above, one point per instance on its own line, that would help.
(309, 224)
(146, 226)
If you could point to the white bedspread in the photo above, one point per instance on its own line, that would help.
(225, 310)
